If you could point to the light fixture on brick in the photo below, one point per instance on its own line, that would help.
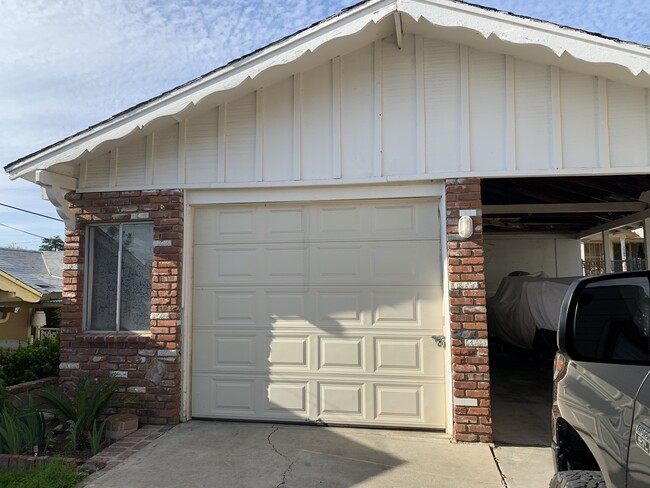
(465, 227)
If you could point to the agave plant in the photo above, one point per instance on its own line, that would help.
(80, 411)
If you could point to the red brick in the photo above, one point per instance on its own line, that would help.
(466, 437)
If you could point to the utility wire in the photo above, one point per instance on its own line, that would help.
(20, 230)
(30, 212)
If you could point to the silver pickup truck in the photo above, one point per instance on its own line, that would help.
(601, 408)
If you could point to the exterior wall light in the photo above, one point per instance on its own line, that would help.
(465, 227)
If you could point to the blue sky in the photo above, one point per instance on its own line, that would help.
(67, 64)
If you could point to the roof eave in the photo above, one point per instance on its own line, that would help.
(21, 290)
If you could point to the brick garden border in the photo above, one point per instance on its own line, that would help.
(22, 390)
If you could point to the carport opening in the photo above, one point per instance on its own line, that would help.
(539, 234)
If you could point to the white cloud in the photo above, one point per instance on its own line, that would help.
(68, 64)
(71, 63)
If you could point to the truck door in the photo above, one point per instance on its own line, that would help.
(638, 465)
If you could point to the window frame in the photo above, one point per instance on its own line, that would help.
(88, 278)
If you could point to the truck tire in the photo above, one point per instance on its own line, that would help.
(577, 479)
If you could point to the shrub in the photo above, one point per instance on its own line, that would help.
(31, 362)
(81, 411)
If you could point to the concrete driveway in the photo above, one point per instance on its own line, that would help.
(223, 454)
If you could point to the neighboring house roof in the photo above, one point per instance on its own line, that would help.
(37, 273)
(364, 22)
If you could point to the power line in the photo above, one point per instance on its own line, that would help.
(30, 212)
(20, 230)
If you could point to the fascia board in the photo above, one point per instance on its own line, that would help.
(511, 28)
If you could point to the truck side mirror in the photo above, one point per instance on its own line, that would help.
(606, 319)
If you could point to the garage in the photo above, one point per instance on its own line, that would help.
(319, 313)
(331, 215)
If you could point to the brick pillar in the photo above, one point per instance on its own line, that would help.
(147, 364)
(469, 344)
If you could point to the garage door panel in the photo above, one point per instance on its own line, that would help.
(327, 308)
(249, 264)
(346, 308)
(225, 264)
(375, 263)
(397, 402)
(284, 223)
(219, 307)
(345, 400)
(288, 351)
(395, 354)
(286, 400)
(230, 398)
(398, 220)
(233, 263)
(287, 305)
(413, 263)
(318, 352)
(321, 311)
(226, 351)
(406, 307)
(361, 263)
(226, 224)
(345, 353)
(336, 222)
(337, 263)
(285, 264)
(374, 401)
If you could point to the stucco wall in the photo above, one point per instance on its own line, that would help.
(17, 326)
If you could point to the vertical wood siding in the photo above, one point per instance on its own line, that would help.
(429, 109)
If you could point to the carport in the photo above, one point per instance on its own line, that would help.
(557, 227)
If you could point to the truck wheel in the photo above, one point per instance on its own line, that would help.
(577, 479)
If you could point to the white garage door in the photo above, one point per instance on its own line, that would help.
(312, 312)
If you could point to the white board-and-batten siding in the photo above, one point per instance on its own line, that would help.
(428, 110)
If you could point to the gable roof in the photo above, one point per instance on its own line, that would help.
(38, 273)
(364, 22)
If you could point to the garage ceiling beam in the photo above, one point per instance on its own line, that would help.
(556, 208)
(615, 224)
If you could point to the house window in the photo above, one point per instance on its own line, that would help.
(118, 286)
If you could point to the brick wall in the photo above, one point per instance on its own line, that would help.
(469, 345)
(147, 364)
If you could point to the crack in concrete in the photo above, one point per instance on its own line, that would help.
(286, 471)
(496, 462)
